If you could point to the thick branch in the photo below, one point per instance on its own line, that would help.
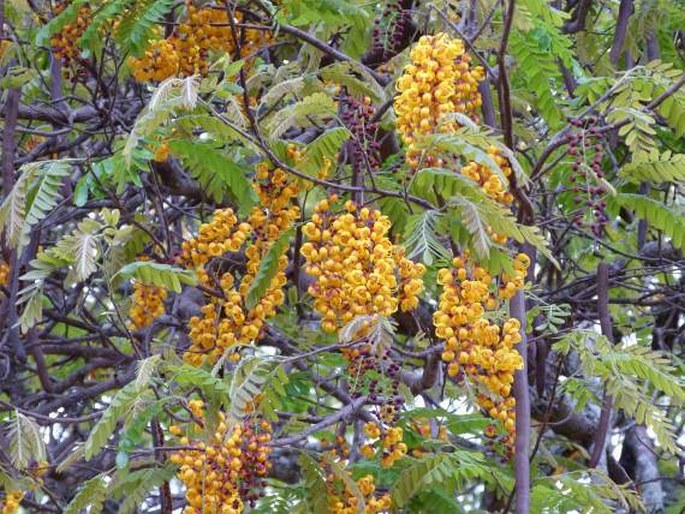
(642, 464)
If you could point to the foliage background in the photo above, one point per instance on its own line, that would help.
(83, 398)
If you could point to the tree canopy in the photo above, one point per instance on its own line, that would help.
(315, 256)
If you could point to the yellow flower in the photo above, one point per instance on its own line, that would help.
(439, 80)
(358, 270)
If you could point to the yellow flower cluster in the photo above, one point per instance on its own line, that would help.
(510, 284)
(186, 51)
(438, 81)
(358, 270)
(160, 61)
(64, 43)
(489, 181)
(348, 503)
(37, 471)
(32, 142)
(147, 305)
(294, 153)
(491, 184)
(4, 273)
(226, 321)
(215, 238)
(475, 344)
(4, 44)
(161, 153)
(298, 155)
(423, 427)
(341, 500)
(224, 474)
(390, 441)
(12, 502)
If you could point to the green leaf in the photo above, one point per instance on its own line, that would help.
(122, 402)
(91, 39)
(316, 107)
(421, 239)
(26, 443)
(626, 371)
(660, 216)
(212, 386)
(68, 15)
(46, 191)
(326, 146)
(135, 487)
(17, 77)
(31, 297)
(537, 67)
(448, 471)
(249, 378)
(145, 369)
(136, 29)
(91, 497)
(162, 275)
(75, 456)
(673, 110)
(82, 248)
(445, 182)
(653, 367)
(474, 223)
(357, 81)
(173, 96)
(586, 491)
(344, 476)
(218, 175)
(656, 168)
(315, 485)
(12, 209)
(456, 423)
(281, 90)
(33, 197)
(438, 499)
(348, 18)
(470, 146)
(137, 421)
(268, 267)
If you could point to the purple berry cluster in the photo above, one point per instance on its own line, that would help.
(390, 30)
(357, 116)
(385, 395)
(585, 146)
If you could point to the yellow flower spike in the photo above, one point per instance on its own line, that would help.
(474, 344)
(357, 268)
(227, 322)
(438, 78)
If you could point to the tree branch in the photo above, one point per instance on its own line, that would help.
(522, 395)
(607, 331)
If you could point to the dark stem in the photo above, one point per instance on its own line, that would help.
(577, 23)
(504, 91)
(521, 393)
(9, 318)
(332, 52)
(166, 505)
(297, 264)
(625, 10)
(488, 107)
(569, 80)
(607, 331)
(652, 47)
